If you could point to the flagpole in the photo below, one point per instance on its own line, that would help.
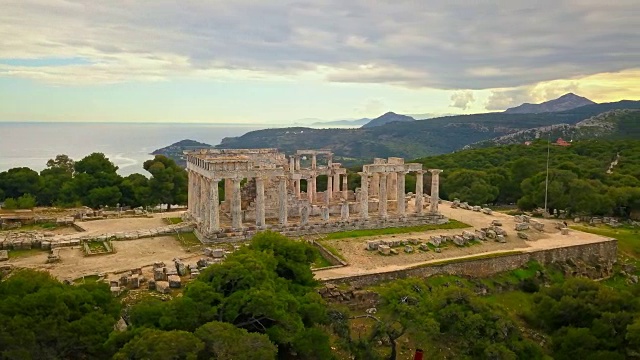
(546, 182)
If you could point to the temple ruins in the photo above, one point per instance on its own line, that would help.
(263, 191)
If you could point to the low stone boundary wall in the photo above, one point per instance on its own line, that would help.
(30, 240)
(601, 254)
(296, 230)
(334, 260)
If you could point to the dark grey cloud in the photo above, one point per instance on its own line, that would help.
(438, 44)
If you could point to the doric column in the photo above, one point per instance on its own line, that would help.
(435, 190)
(392, 191)
(345, 193)
(205, 204)
(309, 190)
(196, 196)
(282, 200)
(329, 192)
(297, 162)
(329, 161)
(419, 191)
(260, 220)
(364, 195)
(228, 191)
(304, 213)
(314, 188)
(382, 204)
(375, 184)
(292, 164)
(324, 212)
(189, 192)
(297, 188)
(236, 204)
(400, 193)
(214, 206)
(344, 211)
(336, 184)
(314, 161)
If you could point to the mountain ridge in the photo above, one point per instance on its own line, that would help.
(565, 102)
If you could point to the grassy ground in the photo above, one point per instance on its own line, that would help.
(13, 254)
(628, 238)
(333, 250)
(321, 262)
(39, 226)
(452, 224)
(86, 279)
(187, 240)
(96, 246)
(173, 220)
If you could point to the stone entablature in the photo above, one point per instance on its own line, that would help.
(273, 191)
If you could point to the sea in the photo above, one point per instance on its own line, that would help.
(127, 145)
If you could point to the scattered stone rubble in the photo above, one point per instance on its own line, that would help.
(361, 298)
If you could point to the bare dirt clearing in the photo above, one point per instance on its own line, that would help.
(129, 254)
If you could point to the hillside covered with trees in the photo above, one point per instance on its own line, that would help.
(263, 303)
(414, 138)
(591, 177)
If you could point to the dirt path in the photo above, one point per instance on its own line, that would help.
(362, 261)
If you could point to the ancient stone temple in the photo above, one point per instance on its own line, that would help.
(262, 189)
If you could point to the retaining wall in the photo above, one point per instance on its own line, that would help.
(602, 254)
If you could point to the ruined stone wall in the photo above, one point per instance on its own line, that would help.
(600, 256)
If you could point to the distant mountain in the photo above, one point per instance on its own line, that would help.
(565, 102)
(354, 123)
(612, 124)
(387, 118)
(175, 150)
(413, 139)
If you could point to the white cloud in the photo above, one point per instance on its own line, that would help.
(445, 45)
(462, 99)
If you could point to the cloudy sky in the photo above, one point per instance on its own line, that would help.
(279, 61)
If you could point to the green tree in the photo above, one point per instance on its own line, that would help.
(43, 319)
(53, 180)
(161, 345)
(471, 186)
(19, 181)
(168, 183)
(135, 191)
(62, 162)
(26, 201)
(224, 341)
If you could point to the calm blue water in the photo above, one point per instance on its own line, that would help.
(126, 145)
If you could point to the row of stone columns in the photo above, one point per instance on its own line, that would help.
(387, 189)
(333, 188)
(204, 202)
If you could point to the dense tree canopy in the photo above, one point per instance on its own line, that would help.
(93, 181)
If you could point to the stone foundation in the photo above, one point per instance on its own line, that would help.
(294, 230)
(599, 259)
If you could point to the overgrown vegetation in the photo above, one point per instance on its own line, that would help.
(188, 239)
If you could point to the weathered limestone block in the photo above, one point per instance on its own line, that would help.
(424, 247)
(208, 252)
(526, 218)
(468, 235)
(522, 235)
(393, 252)
(414, 241)
(518, 218)
(477, 208)
(408, 249)
(564, 231)
(496, 223)
(384, 249)
(480, 234)
(459, 240)
(501, 239)
(499, 230)
(218, 253)
(487, 211)
(124, 280)
(373, 244)
(159, 275)
(194, 273)
(115, 290)
(158, 265)
(324, 213)
(181, 268)
(537, 225)
(491, 234)
(163, 287)
(438, 250)
(4, 255)
(522, 226)
(175, 282)
(134, 281)
(151, 284)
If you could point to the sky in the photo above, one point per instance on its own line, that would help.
(276, 62)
